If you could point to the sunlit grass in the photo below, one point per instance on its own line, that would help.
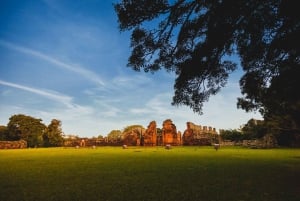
(181, 173)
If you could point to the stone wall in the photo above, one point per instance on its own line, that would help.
(268, 141)
(199, 135)
(21, 144)
(150, 135)
(133, 137)
(170, 136)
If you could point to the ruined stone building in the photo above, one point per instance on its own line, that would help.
(169, 133)
(150, 135)
(133, 137)
(153, 136)
(199, 135)
(21, 144)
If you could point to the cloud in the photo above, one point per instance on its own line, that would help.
(66, 100)
(70, 114)
(76, 69)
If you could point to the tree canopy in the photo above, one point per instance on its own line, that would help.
(23, 127)
(114, 135)
(195, 39)
(32, 130)
(133, 127)
(53, 135)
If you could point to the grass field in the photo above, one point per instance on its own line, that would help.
(181, 173)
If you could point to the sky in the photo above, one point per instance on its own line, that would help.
(66, 60)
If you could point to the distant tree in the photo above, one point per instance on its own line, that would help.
(114, 135)
(232, 135)
(159, 131)
(3, 133)
(30, 129)
(159, 136)
(254, 129)
(100, 137)
(53, 137)
(195, 39)
(133, 127)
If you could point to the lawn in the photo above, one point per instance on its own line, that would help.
(181, 173)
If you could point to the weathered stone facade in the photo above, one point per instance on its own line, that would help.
(170, 134)
(150, 135)
(133, 137)
(21, 144)
(85, 142)
(199, 135)
(267, 141)
(153, 136)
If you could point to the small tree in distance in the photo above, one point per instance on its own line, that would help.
(53, 137)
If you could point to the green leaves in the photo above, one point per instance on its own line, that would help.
(192, 38)
(30, 129)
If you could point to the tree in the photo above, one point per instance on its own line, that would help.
(254, 129)
(232, 135)
(100, 137)
(195, 39)
(3, 132)
(30, 129)
(114, 136)
(127, 129)
(53, 137)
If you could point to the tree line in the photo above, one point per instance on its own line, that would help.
(257, 129)
(32, 130)
(37, 134)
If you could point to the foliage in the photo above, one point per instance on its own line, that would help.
(114, 135)
(30, 129)
(159, 131)
(133, 127)
(53, 135)
(254, 129)
(232, 135)
(100, 137)
(3, 133)
(196, 40)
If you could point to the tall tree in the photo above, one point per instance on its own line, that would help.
(30, 129)
(53, 137)
(195, 38)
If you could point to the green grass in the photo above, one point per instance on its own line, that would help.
(182, 173)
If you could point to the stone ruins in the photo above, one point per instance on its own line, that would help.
(199, 135)
(133, 137)
(138, 136)
(150, 135)
(170, 136)
(21, 144)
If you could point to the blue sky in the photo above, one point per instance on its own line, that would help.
(66, 60)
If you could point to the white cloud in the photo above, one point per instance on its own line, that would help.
(74, 68)
(66, 100)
